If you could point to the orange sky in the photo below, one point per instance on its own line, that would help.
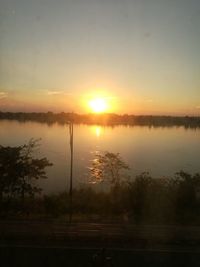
(141, 56)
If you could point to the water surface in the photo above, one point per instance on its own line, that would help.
(160, 151)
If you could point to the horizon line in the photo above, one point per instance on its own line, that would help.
(101, 114)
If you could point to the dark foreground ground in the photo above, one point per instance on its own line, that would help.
(37, 256)
(36, 243)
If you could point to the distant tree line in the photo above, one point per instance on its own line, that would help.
(104, 119)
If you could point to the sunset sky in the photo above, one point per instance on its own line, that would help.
(142, 56)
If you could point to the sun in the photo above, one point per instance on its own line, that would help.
(98, 105)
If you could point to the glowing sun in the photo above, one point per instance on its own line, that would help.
(98, 105)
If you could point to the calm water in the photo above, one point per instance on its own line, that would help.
(160, 151)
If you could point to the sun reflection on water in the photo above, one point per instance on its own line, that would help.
(98, 131)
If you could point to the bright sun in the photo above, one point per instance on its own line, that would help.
(98, 105)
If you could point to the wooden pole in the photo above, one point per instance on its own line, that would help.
(71, 136)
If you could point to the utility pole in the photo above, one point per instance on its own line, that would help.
(71, 142)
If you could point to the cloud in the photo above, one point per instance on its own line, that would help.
(54, 92)
(3, 95)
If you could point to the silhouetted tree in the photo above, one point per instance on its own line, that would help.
(187, 195)
(19, 169)
(108, 167)
(9, 169)
(138, 192)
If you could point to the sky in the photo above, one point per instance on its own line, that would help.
(141, 55)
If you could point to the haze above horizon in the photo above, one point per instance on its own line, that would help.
(135, 57)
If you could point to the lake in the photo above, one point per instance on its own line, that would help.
(161, 151)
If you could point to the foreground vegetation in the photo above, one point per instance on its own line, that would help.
(140, 199)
